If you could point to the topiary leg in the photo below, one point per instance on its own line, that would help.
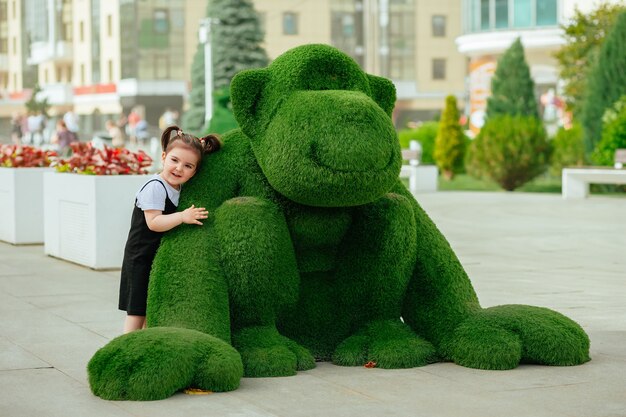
(154, 363)
(375, 267)
(388, 343)
(258, 260)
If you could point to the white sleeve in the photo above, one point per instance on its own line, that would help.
(152, 197)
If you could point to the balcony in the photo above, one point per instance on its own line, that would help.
(57, 94)
(40, 52)
(496, 42)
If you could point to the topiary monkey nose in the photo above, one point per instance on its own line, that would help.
(361, 136)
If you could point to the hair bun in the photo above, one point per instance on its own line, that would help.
(211, 143)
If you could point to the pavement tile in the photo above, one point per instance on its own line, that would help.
(517, 249)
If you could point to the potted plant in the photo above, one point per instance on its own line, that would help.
(21, 192)
(88, 204)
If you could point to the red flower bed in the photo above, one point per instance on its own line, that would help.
(87, 159)
(22, 156)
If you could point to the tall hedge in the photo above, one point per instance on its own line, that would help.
(606, 83)
(613, 134)
(512, 88)
(510, 150)
(450, 141)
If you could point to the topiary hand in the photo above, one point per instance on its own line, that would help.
(501, 337)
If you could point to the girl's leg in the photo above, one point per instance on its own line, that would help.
(133, 323)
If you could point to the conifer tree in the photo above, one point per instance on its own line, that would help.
(236, 36)
(512, 88)
(584, 35)
(450, 141)
(606, 83)
(237, 39)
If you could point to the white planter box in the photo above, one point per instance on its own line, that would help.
(21, 205)
(421, 177)
(87, 217)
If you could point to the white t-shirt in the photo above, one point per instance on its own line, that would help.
(152, 196)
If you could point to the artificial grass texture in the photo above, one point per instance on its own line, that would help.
(313, 248)
(153, 364)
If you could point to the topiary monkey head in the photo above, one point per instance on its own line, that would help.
(320, 127)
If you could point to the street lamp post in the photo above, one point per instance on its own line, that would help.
(204, 36)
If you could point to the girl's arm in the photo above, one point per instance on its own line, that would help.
(159, 222)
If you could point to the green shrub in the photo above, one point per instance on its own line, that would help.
(425, 135)
(512, 87)
(450, 141)
(510, 150)
(606, 82)
(568, 149)
(613, 134)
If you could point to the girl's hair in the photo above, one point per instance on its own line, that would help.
(204, 145)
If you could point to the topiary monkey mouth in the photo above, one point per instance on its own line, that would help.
(314, 156)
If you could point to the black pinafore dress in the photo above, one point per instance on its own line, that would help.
(139, 253)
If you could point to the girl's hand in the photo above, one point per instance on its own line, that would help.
(192, 214)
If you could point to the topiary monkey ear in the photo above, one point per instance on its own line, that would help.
(383, 92)
(246, 91)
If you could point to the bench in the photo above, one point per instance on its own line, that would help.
(421, 177)
(575, 181)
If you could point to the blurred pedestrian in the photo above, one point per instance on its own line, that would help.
(71, 121)
(36, 126)
(16, 128)
(62, 138)
(117, 137)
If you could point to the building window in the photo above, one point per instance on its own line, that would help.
(439, 26)
(45, 76)
(109, 26)
(290, 23)
(502, 14)
(439, 69)
(4, 13)
(81, 29)
(110, 65)
(4, 45)
(82, 74)
(522, 13)
(161, 21)
(484, 14)
(546, 12)
(14, 9)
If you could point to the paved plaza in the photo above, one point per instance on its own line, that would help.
(517, 248)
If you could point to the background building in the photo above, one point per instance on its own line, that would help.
(101, 58)
(98, 58)
(409, 41)
(491, 26)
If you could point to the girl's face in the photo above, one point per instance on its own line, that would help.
(179, 165)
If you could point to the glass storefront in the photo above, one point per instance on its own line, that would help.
(488, 15)
(153, 39)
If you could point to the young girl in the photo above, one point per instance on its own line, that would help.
(155, 213)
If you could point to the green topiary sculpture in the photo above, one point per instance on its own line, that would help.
(313, 249)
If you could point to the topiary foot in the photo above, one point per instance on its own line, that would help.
(265, 352)
(154, 363)
(389, 343)
(502, 337)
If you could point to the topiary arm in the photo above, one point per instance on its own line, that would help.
(440, 295)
